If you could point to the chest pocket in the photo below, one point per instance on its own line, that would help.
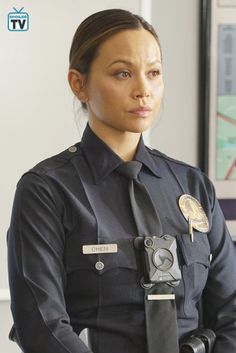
(195, 267)
(109, 279)
(100, 263)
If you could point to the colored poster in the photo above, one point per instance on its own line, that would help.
(226, 103)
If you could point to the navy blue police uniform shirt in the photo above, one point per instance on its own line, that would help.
(78, 198)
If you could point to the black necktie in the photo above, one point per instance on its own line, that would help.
(160, 309)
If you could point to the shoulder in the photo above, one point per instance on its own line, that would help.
(191, 178)
(52, 169)
(56, 163)
(181, 166)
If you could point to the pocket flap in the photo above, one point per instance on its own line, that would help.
(197, 251)
(125, 257)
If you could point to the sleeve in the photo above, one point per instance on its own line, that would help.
(37, 276)
(219, 298)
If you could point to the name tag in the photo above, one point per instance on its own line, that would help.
(161, 297)
(99, 249)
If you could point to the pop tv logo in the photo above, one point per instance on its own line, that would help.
(18, 21)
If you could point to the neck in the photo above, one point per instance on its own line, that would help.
(123, 143)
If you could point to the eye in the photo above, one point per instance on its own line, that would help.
(123, 74)
(154, 73)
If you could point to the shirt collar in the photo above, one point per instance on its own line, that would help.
(102, 160)
(144, 156)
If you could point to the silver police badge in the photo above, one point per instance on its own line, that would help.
(194, 213)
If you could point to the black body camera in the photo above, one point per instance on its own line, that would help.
(159, 257)
(202, 341)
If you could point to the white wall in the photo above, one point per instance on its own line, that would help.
(36, 107)
(177, 24)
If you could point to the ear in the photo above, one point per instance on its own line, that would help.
(77, 84)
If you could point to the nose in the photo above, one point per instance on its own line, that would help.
(141, 89)
(143, 94)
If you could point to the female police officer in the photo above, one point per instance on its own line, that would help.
(72, 259)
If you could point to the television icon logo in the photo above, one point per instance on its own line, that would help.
(18, 21)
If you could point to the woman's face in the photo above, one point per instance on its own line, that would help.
(125, 84)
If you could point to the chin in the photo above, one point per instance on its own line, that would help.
(138, 130)
(140, 127)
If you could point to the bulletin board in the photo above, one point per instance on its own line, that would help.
(219, 102)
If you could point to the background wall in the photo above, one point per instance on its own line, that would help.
(177, 23)
(37, 107)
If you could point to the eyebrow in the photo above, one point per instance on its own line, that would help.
(129, 63)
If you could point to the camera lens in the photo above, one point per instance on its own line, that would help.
(163, 259)
(208, 338)
(193, 345)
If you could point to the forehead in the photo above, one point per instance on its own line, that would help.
(135, 45)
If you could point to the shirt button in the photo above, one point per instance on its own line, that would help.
(99, 265)
(73, 149)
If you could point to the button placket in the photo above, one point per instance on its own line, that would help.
(72, 149)
(99, 265)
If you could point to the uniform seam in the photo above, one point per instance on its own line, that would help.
(157, 153)
(42, 177)
(44, 169)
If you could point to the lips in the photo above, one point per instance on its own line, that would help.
(141, 111)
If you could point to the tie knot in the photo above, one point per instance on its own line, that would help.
(130, 169)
